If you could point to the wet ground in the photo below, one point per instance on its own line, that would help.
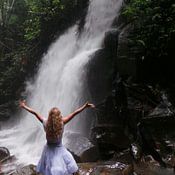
(103, 168)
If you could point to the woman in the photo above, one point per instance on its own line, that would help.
(55, 159)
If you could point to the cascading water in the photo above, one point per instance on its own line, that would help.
(61, 81)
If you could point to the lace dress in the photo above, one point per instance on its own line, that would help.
(56, 159)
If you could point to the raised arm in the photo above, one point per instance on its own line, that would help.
(70, 116)
(23, 105)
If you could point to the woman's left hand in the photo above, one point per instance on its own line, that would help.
(87, 104)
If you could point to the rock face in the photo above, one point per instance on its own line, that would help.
(126, 61)
(110, 139)
(81, 148)
(111, 41)
(99, 73)
(7, 162)
(100, 70)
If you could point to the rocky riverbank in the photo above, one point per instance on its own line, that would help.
(105, 168)
(118, 166)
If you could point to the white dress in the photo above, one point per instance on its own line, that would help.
(56, 159)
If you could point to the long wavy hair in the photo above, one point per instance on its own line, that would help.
(54, 125)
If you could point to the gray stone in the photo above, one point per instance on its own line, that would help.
(111, 40)
(126, 61)
(82, 148)
(4, 154)
(111, 134)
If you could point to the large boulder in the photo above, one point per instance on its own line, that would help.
(99, 74)
(111, 41)
(81, 148)
(110, 138)
(126, 61)
(7, 161)
(101, 68)
(4, 154)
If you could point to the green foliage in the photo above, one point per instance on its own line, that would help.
(32, 29)
(11, 76)
(13, 15)
(32, 23)
(153, 23)
(6, 7)
(12, 12)
(40, 11)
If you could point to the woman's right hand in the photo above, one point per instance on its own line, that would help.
(22, 103)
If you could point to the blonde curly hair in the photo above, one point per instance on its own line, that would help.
(54, 125)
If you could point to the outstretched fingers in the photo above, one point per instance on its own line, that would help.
(87, 104)
(22, 103)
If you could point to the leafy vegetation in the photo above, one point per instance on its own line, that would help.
(39, 11)
(154, 34)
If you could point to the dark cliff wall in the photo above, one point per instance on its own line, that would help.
(128, 80)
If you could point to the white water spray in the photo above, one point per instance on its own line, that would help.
(61, 82)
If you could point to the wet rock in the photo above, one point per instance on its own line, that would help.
(128, 170)
(151, 168)
(26, 170)
(144, 94)
(106, 168)
(101, 168)
(161, 111)
(123, 156)
(110, 139)
(97, 72)
(8, 166)
(126, 62)
(4, 154)
(101, 68)
(81, 147)
(172, 162)
(164, 108)
(136, 151)
(111, 40)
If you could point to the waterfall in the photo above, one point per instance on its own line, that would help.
(61, 82)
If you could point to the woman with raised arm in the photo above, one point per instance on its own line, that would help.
(55, 158)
